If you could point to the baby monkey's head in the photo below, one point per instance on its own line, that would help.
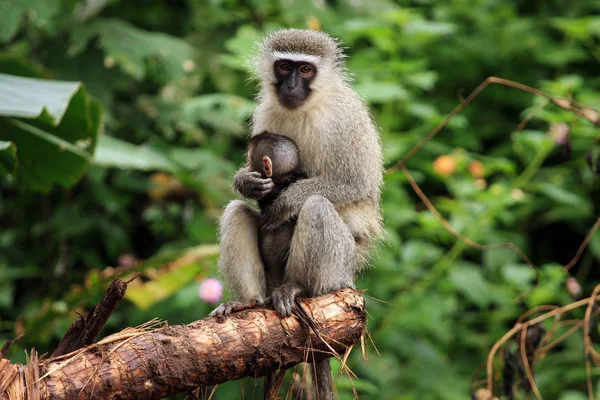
(274, 156)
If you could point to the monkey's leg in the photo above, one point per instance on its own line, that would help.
(321, 260)
(239, 257)
(322, 255)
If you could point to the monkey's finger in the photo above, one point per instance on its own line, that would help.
(224, 308)
(259, 181)
(287, 308)
(282, 304)
(258, 194)
(257, 301)
(254, 174)
(263, 185)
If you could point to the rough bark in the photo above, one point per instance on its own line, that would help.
(137, 364)
(84, 330)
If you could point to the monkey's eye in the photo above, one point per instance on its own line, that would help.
(305, 69)
(285, 67)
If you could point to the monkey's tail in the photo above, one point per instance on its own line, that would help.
(272, 384)
(322, 381)
(269, 386)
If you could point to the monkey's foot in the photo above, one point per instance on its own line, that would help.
(284, 296)
(235, 306)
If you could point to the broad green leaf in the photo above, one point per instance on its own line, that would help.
(519, 275)
(469, 280)
(579, 28)
(381, 92)
(171, 278)
(430, 28)
(131, 48)
(29, 97)
(54, 126)
(241, 47)
(8, 158)
(200, 159)
(116, 153)
(219, 111)
(425, 80)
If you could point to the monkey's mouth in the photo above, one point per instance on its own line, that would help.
(292, 101)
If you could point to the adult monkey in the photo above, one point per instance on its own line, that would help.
(306, 95)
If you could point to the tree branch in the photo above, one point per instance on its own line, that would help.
(142, 364)
(84, 330)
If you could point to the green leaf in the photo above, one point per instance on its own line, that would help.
(131, 48)
(241, 47)
(423, 27)
(179, 273)
(29, 97)
(518, 275)
(11, 16)
(579, 28)
(54, 126)
(224, 112)
(562, 196)
(8, 158)
(381, 92)
(469, 280)
(40, 14)
(595, 245)
(113, 152)
(572, 395)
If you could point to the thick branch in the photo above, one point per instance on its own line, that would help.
(137, 364)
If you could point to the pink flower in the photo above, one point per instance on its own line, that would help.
(127, 260)
(559, 132)
(210, 290)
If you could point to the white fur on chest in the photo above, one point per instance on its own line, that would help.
(307, 129)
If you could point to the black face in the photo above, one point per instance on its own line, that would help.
(293, 81)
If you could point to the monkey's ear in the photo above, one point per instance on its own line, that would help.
(267, 166)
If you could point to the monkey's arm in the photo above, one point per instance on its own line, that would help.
(291, 200)
(251, 185)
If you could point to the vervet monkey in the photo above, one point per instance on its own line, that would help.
(305, 95)
(276, 157)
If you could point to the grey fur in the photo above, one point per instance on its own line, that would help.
(282, 151)
(337, 207)
(275, 243)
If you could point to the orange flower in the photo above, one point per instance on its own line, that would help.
(444, 165)
(476, 169)
(313, 23)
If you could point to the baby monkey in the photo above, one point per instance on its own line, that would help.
(276, 157)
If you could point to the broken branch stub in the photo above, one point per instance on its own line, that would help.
(153, 364)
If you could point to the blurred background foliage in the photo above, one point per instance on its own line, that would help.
(166, 125)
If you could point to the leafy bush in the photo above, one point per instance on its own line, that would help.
(171, 81)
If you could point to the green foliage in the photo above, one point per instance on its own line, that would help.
(51, 128)
(173, 84)
(8, 158)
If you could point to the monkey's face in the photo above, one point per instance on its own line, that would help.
(293, 81)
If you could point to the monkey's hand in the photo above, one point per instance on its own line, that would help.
(288, 204)
(234, 306)
(284, 296)
(251, 185)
